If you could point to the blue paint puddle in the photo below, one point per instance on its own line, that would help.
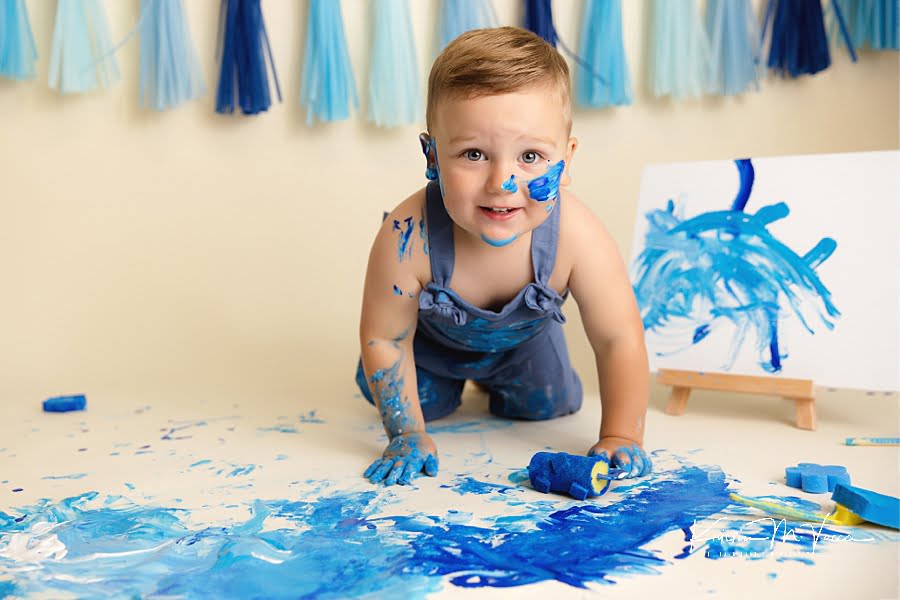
(724, 268)
(343, 544)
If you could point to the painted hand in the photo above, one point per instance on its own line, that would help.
(406, 456)
(627, 456)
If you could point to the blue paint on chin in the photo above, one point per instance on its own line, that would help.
(498, 243)
(510, 185)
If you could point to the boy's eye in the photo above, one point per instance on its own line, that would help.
(474, 155)
(529, 158)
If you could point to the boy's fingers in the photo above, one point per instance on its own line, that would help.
(382, 470)
(375, 464)
(431, 465)
(396, 470)
(648, 465)
(413, 466)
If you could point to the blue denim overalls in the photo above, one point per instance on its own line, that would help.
(518, 354)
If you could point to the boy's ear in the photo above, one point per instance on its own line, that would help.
(430, 152)
(571, 145)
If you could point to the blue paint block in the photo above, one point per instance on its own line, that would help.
(65, 403)
(871, 506)
(571, 474)
(816, 479)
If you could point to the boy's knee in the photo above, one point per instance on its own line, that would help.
(536, 403)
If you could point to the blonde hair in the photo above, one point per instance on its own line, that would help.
(487, 62)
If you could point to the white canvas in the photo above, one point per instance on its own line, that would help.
(849, 198)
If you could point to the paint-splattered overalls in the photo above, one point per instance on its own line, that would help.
(518, 354)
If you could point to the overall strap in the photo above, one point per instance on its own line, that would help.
(440, 235)
(543, 246)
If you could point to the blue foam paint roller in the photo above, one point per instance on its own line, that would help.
(871, 506)
(65, 403)
(571, 474)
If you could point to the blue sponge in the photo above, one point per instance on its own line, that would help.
(65, 403)
(816, 479)
(871, 506)
(577, 476)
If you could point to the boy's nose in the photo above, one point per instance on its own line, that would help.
(502, 180)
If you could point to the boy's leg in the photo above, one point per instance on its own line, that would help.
(439, 396)
(539, 383)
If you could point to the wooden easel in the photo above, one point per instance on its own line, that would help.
(799, 390)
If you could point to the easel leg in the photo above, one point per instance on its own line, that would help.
(678, 400)
(805, 413)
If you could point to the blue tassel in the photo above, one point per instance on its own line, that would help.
(458, 16)
(81, 57)
(328, 87)
(395, 97)
(539, 19)
(871, 24)
(799, 44)
(18, 54)
(601, 46)
(734, 38)
(170, 72)
(679, 56)
(246, 59)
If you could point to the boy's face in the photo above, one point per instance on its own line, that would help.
(482, 142)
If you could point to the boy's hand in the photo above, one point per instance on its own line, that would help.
(406, 456)
(625, 455)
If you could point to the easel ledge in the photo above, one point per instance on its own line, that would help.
(801, 391)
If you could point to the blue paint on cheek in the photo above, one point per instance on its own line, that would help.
(510, 185)
(546, 187)
(397, 290)
(498, 243)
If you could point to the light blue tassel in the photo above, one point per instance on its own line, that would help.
(82, 53)
(170, 72)
(871, 24)
(395, 97)
(679, 56)
(18, 53)
(601, 47)
(328, 86)
(735, 53)
(459, 16)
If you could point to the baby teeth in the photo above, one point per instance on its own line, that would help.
(500, 210)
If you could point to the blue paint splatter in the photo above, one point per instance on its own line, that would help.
(546, 187)
(181, 426)
(404, 249)
(725, 267)
(72, 476)
(205, 461)
(130, 486)
(311, 417)
(281, 457)
(279, 429)
(422, 233)
(397, 290)
(469, 485)
(480, 426)
(241, 470)
(510, 185)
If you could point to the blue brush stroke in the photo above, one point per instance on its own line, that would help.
(725, 267)
(480, 426)
(510, 185)
(469, 485)
(279, 429)
(311, 417)
(404, 249)
(546, 187)
(204, 461)
(397, 290)
(72, 476)
(342, 545)
(499, 243)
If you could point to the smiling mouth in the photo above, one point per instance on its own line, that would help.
(504, 212)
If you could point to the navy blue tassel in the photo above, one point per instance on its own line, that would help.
(539, 19)
(246, 58)
(799, 44)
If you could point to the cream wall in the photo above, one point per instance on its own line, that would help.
(194, 254)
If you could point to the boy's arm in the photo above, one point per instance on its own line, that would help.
(387, 328)
(600, 284)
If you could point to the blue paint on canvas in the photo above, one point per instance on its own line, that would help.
(725, 268)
